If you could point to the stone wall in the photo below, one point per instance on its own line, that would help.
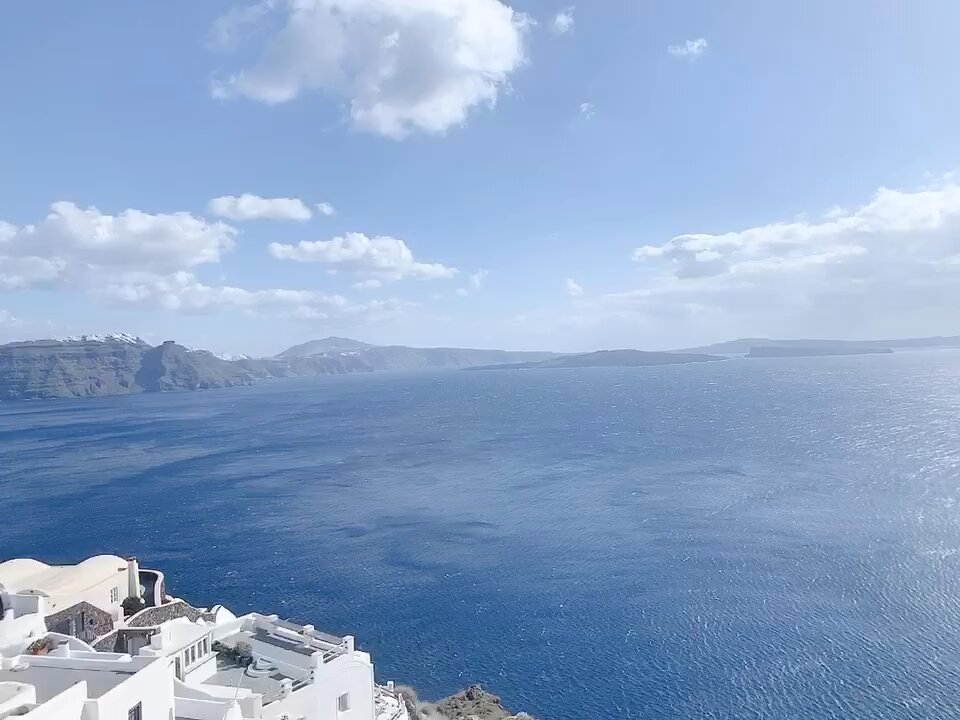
(119, 640)
(83, 620)
(151, 617)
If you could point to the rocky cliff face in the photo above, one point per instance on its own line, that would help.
(86, 367)
(119, 364)
(474, 703)
(58, 369)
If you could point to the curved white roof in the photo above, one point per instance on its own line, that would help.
(13, 572)
(59, 580)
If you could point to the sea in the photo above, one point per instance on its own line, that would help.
(750, 539)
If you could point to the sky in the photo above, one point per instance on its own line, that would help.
(523, 174)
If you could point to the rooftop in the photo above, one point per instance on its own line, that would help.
(231, 675)
(26, 574)
(263, 645)
(51, 681)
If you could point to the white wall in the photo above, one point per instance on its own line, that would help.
(151, 686)
(353, 674)
(250, 702)
(15, 631)
(68, 705)
(99, 595)
(208, 709)
(14, 695)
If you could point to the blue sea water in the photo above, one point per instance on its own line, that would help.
(748, 539)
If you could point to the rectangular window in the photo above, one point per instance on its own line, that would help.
(114, 594)
(193, 655)
(136, 712)
(206, 646)
(343, 702)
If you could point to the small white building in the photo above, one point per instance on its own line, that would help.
(83, 600)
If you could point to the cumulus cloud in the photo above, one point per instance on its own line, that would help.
(254, 207)
(368, 284)
(588, 111)
(562, 22)
(573, 288)
(691, 49)
(890, 265)
(139, 258)
(183, 292)
(383, 257)
(326, 208)
(400, 66)
(71, 243)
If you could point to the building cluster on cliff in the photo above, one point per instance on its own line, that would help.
(102, 640)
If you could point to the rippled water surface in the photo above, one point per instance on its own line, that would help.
(748, 539)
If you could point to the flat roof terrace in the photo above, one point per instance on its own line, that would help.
(293, 651)
(49, 681)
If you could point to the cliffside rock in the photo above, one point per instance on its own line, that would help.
(174, 367)
(474, 703)
(61, 369)
(112, 365)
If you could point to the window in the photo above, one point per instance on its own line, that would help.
(136, 712)
(193, 654)
(114, 594)
(343, 702)
(206, 646)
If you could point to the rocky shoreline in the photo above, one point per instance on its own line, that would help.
(474, 703)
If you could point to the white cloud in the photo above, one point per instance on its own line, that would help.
(72, 243)
(326, 209)
(588, 111)
(400, 65)
(254, 207)
(368, 284)
(237, 24)
(383, 257)
(138, 258)
(691, 49)
(885, 268)
(477, 278)
(573, 289)
(183, 292)
(562, 22)
(462, 292)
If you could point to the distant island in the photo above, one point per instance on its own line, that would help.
(775, 351)
(119, 364)
(607, 358)
(743, 346)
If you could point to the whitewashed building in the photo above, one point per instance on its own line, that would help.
(176, 662)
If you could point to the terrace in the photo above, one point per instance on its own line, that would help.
(273, 657)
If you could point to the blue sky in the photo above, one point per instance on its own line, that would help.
(500, 173)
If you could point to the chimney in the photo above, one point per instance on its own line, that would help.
(133, 577)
